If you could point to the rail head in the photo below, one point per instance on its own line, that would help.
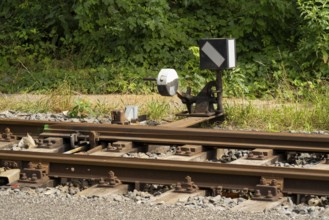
(168, 165)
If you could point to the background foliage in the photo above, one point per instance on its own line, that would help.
(106, 46)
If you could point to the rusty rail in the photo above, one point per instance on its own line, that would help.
(191, 121)
(21, 127)
(205, 137)
(204, 174)
(168, 135)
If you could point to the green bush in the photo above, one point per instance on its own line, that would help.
(106, 46)
(313, 46)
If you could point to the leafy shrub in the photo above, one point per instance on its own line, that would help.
(313, 46)
(108, 46)
(81, 109)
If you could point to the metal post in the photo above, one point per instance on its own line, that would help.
(219, 87)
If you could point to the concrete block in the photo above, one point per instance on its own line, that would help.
(104, 191)
(10, 176)
(321, 166)
(171, 197)
(257, 206)
(158, 149)
(106, 153)
(243, 160)
(5, 144)
(196, 157)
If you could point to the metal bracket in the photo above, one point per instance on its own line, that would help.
(35, 175)
(188, 150)
(267, 192)
(202, 105)
(118, 117)
(118, 146)
(93, 139)
(260, 154)
(50, 143)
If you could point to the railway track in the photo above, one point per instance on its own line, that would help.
(169, 135)
(77, 158)
(205, 174)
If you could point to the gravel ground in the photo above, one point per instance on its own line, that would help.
(60, 202)
(53, 204)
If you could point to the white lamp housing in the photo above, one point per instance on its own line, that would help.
(167, 82)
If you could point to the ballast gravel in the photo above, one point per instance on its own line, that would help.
(52, 203)
(56, 117)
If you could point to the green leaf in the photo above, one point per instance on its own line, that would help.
(325, 56)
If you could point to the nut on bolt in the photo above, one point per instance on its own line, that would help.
(34, 177)
(219, 190)
(269, 194)
(178, 187)
(101, 182)
(187, 187)
(113, 180)
(39, 166)
(30, 165)
(257, 193)
(274, 182)
(262, 181)
(23, 176)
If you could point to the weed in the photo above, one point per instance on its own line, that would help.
(55, 100)
(101, 108)
(81, 109)
(156, 110)
(303, 115)
(58, 99)
(274, 115)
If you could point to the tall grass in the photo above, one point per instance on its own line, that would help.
(157, 110)
(56, 100)
(311, 113)
(307, 115)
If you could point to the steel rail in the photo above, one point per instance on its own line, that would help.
(190, 121)
(204, 167)
(21, 127)
(168, 135)
(204, 174)
(205, 137)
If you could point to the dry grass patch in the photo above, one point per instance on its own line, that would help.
(312, 114)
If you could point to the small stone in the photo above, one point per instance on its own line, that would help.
(39, 190)
(117, 198)
(240, 200)
(50, 191)
(76, 120)
(300, 210)
(209, 205)
(87, 120)
(215, 199)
